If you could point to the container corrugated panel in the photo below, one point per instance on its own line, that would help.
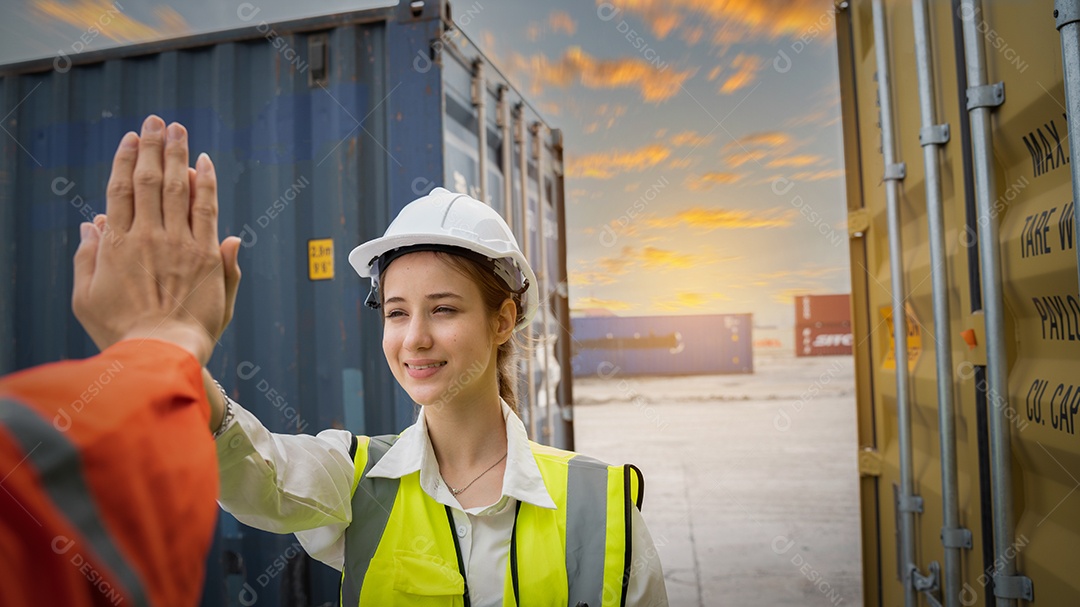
(823, 325)
(605, 346)
(1033, 203)
(312, 162)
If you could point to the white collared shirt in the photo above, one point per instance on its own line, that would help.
(302, 484)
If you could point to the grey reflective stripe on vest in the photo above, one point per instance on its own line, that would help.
(586, 529)
(57, 463)
(371, 505)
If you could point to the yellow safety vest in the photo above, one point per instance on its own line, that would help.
(401, 548)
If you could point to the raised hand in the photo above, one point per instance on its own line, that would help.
(155, 268)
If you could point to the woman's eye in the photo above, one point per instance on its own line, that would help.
(443, 309)
(394, 313)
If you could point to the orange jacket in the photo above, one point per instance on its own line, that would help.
(108, 480)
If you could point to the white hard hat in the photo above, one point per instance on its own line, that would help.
(455, 223)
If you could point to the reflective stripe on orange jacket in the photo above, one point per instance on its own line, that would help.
(108, 480)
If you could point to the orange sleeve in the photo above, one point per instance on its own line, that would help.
(134, 420)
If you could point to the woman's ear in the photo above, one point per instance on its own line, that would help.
(504, 325)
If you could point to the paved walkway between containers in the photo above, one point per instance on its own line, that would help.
(751, 489)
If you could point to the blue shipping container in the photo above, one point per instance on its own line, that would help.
(662, 345)
(321, 129)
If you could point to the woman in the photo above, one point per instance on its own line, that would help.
(460, 508)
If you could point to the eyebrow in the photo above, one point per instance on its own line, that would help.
(430, 297)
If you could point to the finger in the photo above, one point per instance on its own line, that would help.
(191, 174)
(175, 188)
(148, 173)
(84, 264)
(230, 257)
(204, 209)
(105, 229)
(120, 193)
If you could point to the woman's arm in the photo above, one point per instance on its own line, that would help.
(282, 483)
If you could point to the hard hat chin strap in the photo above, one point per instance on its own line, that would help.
(373, 297)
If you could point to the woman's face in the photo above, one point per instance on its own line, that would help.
(438, 338)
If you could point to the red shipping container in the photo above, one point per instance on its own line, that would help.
(822, 309)
(823, 340)
(823, 325)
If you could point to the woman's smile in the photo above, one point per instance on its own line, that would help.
(436, 331)
(422, 369)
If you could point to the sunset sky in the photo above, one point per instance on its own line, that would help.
(702, 138)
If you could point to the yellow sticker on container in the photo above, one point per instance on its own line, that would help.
(320, 253)
(914, 338)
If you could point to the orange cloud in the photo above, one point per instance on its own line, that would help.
(769, 139)
(698, 183)
(693, 35)
(604, 165)
(740, 158)
(562, 22)
(488, 42)
(680, 163)
(647, 257)
(559, 22)
(746, 70)
(585, 279)
(798, 161)
(737, 20)
(594, 302)
(652, 258)
(617, 265)
(609, 114)
(816, 175)
(655, 84)
(110, 20)
(820, 117)
(690, 138)
(685, 300)
(708, 220)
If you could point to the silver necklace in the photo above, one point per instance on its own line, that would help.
(455, 492)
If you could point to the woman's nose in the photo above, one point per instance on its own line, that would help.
(418, 334)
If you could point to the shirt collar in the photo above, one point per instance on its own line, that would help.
(413, 452)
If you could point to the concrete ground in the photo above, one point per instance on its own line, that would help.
(751, 484)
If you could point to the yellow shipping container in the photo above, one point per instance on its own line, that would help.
(956, 143)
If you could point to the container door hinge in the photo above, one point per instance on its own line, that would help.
(869, 463)
(502, 111)
(896, 171)
(909, 503)
(956, 538)
(858, 222)
(318, 60)
(1066, 12)
(1014, 587)
(987, 95)
(934, 135)
(930, 584)
(478, 83)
